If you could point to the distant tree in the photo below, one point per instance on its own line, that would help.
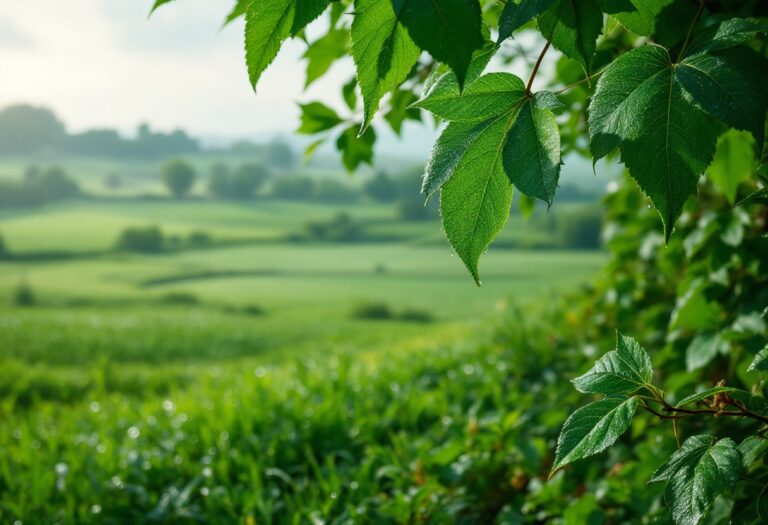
(113, 181)
(23, 295)
(295, 187)
(26, 129)
(3, 249)
(381, 188)
(280, 155)
(247, 180)
(333, 191)
(218, 180)
(246, 147)
(55, 184)
(178, 176)
(580, 228)
(141, 239)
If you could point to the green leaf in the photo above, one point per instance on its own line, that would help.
(157, 4)
(573, 27)
(728, 33)
(349, 95)
(593, 428)
(752, 449)
(760, 362)
(477, 196)
(450, 30)
(322, 53)
(519, 12)
(356, 150)
(267, 24)
(621, 371)
(488, 96)
(401, 109)
(665, 140)
(238, 10)
(642, 19)
(693, 310)
(382, 49)
(696, 474)
(317, 117)
(306, 12)
(734, 162)
(703, 349)
(731, 86)
(704, 394)
(532, 151)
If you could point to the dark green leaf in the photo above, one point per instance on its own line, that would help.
(476, 198)
(488, 96)
(704, 394)
(518, 12)
(752, 449)
(734, 162)
(731, 85)
(306, 12)
(593, 428)
(322, 53)
(693, 310)
(532, 152)
(450, 30)
(349, 94)
(728, 33)
(356, 150)
(573, 27)
(696, 474)
(316, 117)
(665, 140)
(383, 51)
(621, 371)
(760, 362)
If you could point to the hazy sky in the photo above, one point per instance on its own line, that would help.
(102, 63)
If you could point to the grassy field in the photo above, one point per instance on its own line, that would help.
(235, 383)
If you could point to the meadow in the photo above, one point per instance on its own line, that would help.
(259, 376)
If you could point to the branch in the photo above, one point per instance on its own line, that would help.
(536, 68)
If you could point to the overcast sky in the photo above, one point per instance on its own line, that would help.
(102, 63)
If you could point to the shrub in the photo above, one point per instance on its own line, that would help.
(415, 315)
(381, 188)
(23, 295)
(342, 228)
(253, 309)
(179, 298)
(328, 190)
(199, 239)
(3, 249)
(372, 311)
(294, 188)
(147, 239)
(579, 228)
(178, 176)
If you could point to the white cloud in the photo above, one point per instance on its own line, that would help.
(101, 63)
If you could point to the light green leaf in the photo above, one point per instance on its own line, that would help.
(760, 362)
(317, 117)
(532, 152)
(400, 109)
(642, 19)
(752, 449)
(703, 349)
(322, 53)
(355, 149)
(735, 162)
(238, 10)
(267, 24)
(517, 13)
(593, 428)
(621, 371)
(665, 140)
(450, 30)
(349, 94)
(477, 196)
(306, 12)
(730, 85)
(488, 96)
(693, 310)
(728, 33)
(159, 3)
(382, 49)
(696, 474)
(704, 394)
(573, 27)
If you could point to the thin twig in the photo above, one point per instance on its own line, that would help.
(536, 68)
(690, 31)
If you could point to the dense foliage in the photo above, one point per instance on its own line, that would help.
(681, 92)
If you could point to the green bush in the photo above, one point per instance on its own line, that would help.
(579, 228)
(23, 295)
(180, 298)
(342, 228)
(293, 188)
(415, 315)
(178, 176)
(148, 239)
(372, 311)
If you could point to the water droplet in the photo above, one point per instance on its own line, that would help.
(134, 432)
(61, 469)
(95, 509)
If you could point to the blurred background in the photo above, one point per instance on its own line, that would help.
(165, 243)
